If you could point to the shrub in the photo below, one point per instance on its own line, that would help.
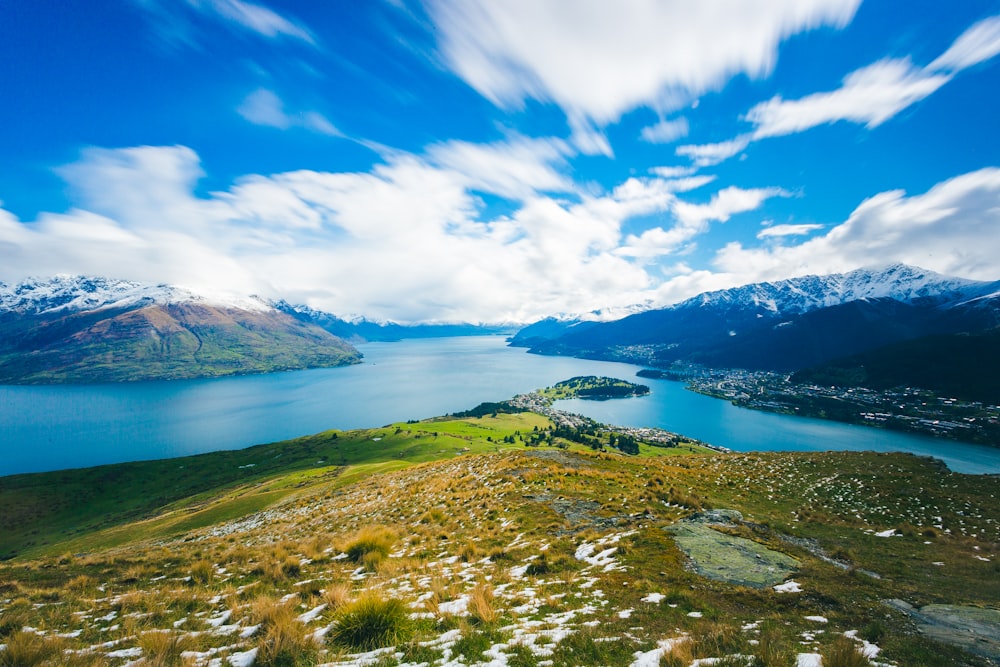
(371, 622)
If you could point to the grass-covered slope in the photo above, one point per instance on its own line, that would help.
(438, 543)
(185, 340)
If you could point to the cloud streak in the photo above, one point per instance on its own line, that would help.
(602, 62)
(869, 96)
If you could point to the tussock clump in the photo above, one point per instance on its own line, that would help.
(679, 655)
(371, 622)
(162, 649)
(202, 571)
(337, 595)
(481, 604)
(717, 640)
(370, 546)
(283, 641)
(771, 650)
(844, 653)
(26, 649)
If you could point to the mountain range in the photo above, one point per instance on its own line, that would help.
(78, 329)
(86, 329)
(783, 326)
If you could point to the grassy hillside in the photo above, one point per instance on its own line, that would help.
(162, 342)
(436, 542)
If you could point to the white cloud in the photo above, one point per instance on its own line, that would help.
(870, 95)
(179, 23)
(706, 155)
(264, 107)
(403, 241)
(515, 168)
(693, 220)
(977, 44)
(255, 18)
(954, 229)
(665, 131)
(672, 172)
(780, 231)
(598, 60)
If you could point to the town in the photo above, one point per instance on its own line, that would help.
(905, 409)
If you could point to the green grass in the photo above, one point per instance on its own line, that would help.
(371, 622)
(458, 518)
(92, 508)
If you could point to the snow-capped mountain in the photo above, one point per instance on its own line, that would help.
(83, 329)
(900, 282)
(788, 324)
(66, 294)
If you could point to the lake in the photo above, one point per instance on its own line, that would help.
(55, 427)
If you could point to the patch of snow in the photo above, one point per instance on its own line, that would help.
(244, 659)
(652, 658)
(887, 533)
(217, 621)
(817, 619)
(312, 614)
(655, 598)
(459, 606)
(808, 660)
(125, 653)
(790, 586)
(249, 631)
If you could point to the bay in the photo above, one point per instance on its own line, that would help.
(56, 427)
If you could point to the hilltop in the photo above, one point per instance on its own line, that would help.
(481, 540)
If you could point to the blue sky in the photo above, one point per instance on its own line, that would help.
(499, 161)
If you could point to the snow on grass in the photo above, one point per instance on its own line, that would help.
(808, 660)
(654, 598)
(652, 658)
(817, 619)
(790, 586)
(312, 614)
(243, 658)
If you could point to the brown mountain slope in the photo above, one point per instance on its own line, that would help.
(186, 340)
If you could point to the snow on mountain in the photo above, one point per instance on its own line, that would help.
(901, 282)
(65, 293)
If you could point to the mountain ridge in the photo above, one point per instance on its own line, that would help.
(72, 329)
(768, 325)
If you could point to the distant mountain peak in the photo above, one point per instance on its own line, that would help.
(901, 282)
(74, 293)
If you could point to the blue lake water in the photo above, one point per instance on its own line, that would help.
(50, 428)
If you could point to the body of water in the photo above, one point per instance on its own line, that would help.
(55, 427)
